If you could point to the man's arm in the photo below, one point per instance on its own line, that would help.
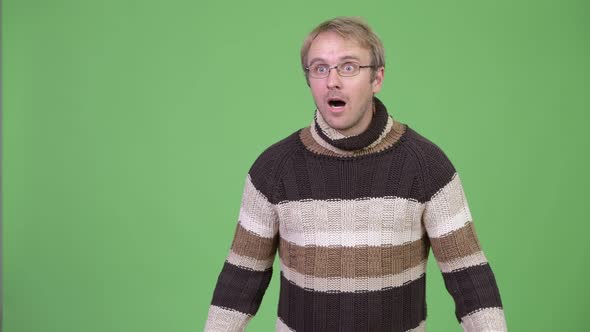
(247, 270)
(466, 272)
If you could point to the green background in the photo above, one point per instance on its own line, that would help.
(129, 127)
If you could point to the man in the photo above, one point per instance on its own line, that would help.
(353, 204)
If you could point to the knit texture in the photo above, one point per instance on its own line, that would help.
(353, 220)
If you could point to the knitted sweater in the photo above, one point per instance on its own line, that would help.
(353, 220)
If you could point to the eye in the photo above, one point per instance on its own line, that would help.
(349, 67)
(320, 69)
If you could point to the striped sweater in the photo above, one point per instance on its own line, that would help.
(353, 220)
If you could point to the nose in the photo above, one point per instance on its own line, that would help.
(333, 79)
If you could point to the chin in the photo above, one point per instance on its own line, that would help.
(335, 123)
(339, 126)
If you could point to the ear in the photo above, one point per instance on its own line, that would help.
(378, 81)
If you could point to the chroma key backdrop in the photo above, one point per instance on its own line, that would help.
(128, 128)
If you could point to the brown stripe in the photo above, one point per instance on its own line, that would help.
(246, 243)
(459, 243)
(352, 262)
(397, 130)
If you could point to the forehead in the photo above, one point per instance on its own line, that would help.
(331, 47)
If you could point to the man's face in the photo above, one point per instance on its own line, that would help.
(344, 102)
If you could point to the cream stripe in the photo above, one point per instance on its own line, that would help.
(222, 319)
(249, 262)
(464, 262)
(447, 210)
(282, 327)
(371, 221)
(353, 284)
(419, 328)
(488, 319)
(257, 214)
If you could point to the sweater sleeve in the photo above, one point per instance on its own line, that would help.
(247, 270)
(466, 271)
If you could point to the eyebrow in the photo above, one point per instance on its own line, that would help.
(346, 57)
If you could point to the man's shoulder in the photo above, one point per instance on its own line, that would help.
(285, 145)
(282, 148)
(418, 140)
(438, 170)
(275, 155)
(424, 148)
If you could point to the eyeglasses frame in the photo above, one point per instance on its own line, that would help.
(307, 69)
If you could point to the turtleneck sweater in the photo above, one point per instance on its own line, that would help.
(353, 220)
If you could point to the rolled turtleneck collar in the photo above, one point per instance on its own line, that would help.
(367, 138)
(382, 134)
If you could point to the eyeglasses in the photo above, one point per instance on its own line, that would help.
(345, 69)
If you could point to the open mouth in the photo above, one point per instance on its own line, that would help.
(336, 103)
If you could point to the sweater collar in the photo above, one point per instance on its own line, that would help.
(369, 137)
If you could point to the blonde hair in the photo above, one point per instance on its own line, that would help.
(353, 28)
